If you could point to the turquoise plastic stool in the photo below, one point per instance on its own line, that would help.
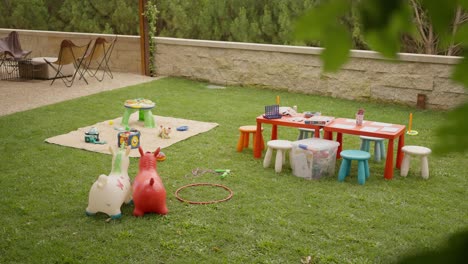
(379, 146)
(363, 165)
(306, 133)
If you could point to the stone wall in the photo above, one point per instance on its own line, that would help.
(366, 76)
(298, 69)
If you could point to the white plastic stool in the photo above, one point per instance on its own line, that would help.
(281, 147)
(379, 146)
(423, 152)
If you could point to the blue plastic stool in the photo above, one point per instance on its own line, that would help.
(379, 146)
(363, 165)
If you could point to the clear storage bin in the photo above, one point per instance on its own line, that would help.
(314, 158)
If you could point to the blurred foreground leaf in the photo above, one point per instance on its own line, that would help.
(452, 136)
(441, 14)
(323, 24)
(454, 251)
(384, 22)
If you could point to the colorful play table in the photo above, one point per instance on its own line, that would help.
(144, 107)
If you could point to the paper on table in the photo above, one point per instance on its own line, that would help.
(342, 126)
(380, 124)
(369, 129)
(350, 120)
(389, 129)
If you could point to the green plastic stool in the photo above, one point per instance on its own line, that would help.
(363, 165)
(379, 146)
(143, 115)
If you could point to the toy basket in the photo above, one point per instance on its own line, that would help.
(272, 112)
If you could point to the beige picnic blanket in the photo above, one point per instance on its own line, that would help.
(149, 139)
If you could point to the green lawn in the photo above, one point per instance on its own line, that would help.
(272, 218)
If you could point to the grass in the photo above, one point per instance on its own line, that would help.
(272, 218)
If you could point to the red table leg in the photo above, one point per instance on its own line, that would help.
(258, 141)
(317, 132)
(400, 154)
(262, 145)
(388, 174)
(274, 132)
(339, 139)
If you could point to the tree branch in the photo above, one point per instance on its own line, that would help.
(417, 11)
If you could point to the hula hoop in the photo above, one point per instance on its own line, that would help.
(203, 202)
(412, 132)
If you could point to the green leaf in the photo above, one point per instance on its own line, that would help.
(383, 43)
(307, 28)
(317, 22)
(460, 70)
(441, 14)
(384, 22)
(375, 15)
(463, 3)
(323, 24)
(337, 49)
(461, 35)
(452, 135)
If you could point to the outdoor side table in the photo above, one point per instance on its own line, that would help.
(144, 113)
(12, 69)
(44, 71)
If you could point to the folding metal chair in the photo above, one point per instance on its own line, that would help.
(98, 58)
(69, 54)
